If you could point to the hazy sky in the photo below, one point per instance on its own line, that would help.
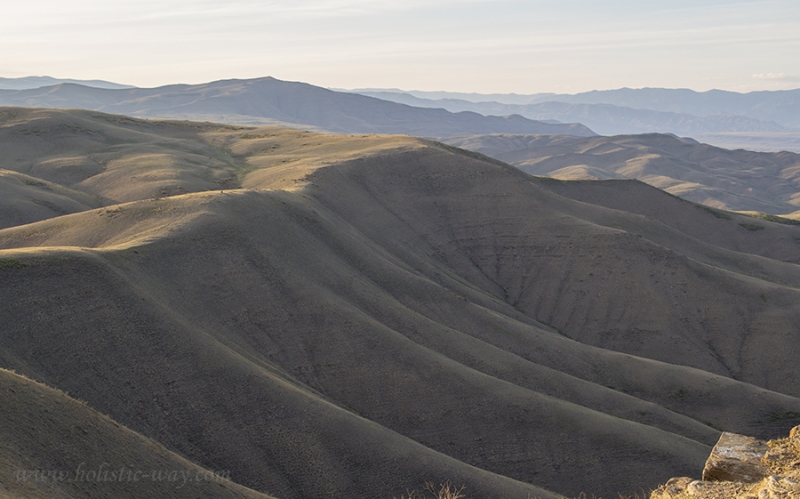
(467, 45)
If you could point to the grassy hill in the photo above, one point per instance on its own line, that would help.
(355, 315)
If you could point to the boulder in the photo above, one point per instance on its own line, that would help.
(736, 458)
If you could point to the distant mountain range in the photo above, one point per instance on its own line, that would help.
(782, 107)
(766, 121)
(271, 101)
(606, 119)
(29, 82)
(758, 120)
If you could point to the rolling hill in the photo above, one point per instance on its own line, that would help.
(271, 101)
(733, 180)
(327, 315)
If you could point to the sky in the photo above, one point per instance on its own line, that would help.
(484, 46)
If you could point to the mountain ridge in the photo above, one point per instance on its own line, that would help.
(271, 101)
(761, 104)
(606, 119)
(763, 121)
(30, 82)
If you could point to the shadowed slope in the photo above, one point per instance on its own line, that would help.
(406, 313)
(733, 180)
(741, 233)
(54, 446)
(214, 386)
(25, 199)
(540, 253)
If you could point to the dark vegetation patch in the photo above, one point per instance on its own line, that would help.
(12, 263)
(715, 212)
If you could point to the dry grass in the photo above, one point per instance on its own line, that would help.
(444, 490)
(643, 495)
(447, 490)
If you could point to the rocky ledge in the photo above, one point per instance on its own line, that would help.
(742, 467)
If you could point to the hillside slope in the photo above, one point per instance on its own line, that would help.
(54, 446)
(353, 316)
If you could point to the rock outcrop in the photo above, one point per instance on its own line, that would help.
(736, 458)
(742, 467)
